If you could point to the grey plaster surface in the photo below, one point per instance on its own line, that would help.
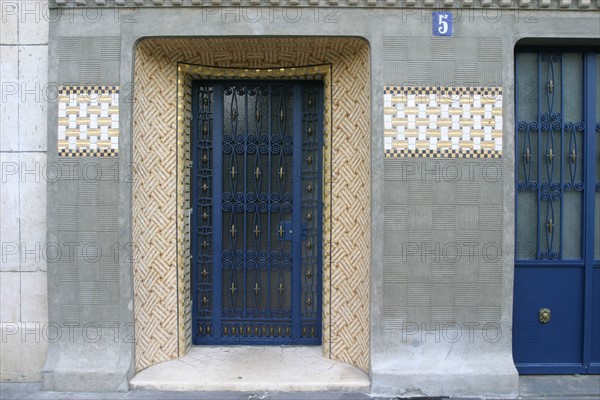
(443, 330)
(93, 324)
(90, 300)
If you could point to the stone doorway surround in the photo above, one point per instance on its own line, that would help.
(162, 72)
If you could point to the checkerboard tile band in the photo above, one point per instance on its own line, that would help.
(89, 89)
(88, 121)
(442, 153)
(88, 153)
(452, 90)
(429, 121)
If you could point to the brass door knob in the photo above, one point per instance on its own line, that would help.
(544, 315)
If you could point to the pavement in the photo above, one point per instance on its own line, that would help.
(547, 387)
(31, 391)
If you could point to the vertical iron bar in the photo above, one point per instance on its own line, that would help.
(269, 170)
(562, 158)
(281, 190)
(590, 106)
(245, 173)
(297, 195)
(516, 225)
(217, 208)
(539, 157)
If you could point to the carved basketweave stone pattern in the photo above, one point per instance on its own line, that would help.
(160, 232)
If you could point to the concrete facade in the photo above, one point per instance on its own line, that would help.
(441, 268)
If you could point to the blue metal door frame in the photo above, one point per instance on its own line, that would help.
(549, 277)
(264, 133)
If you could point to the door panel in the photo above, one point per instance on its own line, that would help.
(560, 290)
(557, 222)
(256, 240)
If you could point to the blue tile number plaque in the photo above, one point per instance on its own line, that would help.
(442, 23)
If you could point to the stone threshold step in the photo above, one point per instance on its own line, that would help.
(253, 368)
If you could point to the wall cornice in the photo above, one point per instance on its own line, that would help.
(588, 5)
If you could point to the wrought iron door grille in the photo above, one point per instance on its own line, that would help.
(552, 137)
(256, 238)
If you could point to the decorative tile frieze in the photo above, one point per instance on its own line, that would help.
(442, 121)
(88, 121)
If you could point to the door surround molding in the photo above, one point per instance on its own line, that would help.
(160, 226)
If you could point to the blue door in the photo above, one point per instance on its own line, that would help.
(256, 221)
(556, 315)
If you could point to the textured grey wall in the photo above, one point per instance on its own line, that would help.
(89, 60)
(443, 241)
(442, 217)
(87, 200)
(442, 61)
(90, 297)
(87, 223)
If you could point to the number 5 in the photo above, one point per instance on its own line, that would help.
(442, 23)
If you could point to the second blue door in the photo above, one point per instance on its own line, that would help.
(556, 312)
